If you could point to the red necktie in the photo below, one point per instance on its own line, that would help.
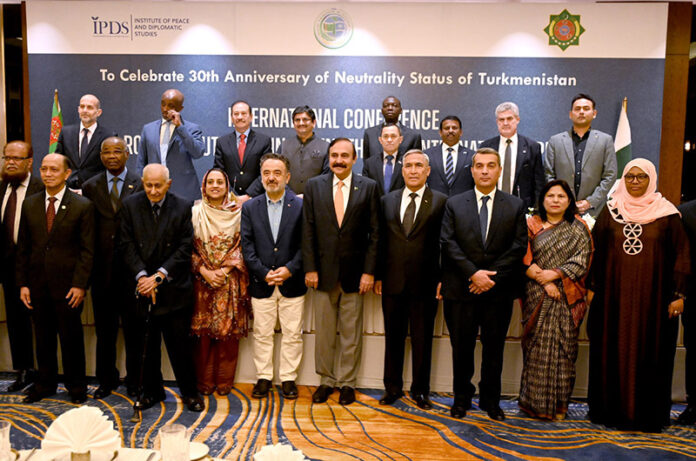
(241, 148)
(50, 213)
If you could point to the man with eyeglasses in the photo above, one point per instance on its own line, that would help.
(307, 153)
(583, 157)
(385, 169)
(17, 184)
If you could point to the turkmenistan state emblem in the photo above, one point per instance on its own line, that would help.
(564, 29)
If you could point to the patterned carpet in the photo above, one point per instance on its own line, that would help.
(236, 426)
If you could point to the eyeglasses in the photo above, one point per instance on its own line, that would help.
(13, 159)
(633, 177)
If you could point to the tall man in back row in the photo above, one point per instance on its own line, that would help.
(391, 111)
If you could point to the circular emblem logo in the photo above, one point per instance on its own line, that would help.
(333, 28)
(564, 30)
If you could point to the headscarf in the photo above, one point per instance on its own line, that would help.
(210, 220)
(644, 209)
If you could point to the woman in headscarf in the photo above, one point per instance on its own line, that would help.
(221, 312)
(638, 276)
(558, 258)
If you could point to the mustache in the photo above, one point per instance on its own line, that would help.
(339, 164)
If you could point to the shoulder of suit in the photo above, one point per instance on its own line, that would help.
(494, 141)
(600, 134)
(358, 180)
(259, 135)
(77, 198)
(437, 195)
(101, 177)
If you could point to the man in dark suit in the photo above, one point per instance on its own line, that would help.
(156, 243)
(340, 234)
(107, 190)
(81, 142)
(688, 416)
(174, 143)
(239, 153)
(450, 161)
(17, 184)
(272, 247)
(484, 237)
(391, 111)
(385, 168)
(55, 250)
(408, 277)
(523, 168)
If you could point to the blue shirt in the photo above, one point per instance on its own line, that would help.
(239, 136)
(119, 184)
(275, 212)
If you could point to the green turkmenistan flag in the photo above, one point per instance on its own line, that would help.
(56, 124)
(622, 141)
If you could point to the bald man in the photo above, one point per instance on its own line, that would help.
(175, 143)
(81, 142)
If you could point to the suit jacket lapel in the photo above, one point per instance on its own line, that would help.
(288, 207)
(570, 153)
(330, 209)
(423, 210)
(103, 192)
(498, 204)
(62, 210)
(130, 185)
(589, 147)
(396, 173)
(91, 146)
(461, 163)
(355, 190)
(265, 222)
(472, 204)
(522, 154)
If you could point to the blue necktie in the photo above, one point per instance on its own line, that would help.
(388, 171)
(449, 167)
(483, 217)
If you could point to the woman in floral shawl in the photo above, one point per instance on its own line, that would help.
(558, 258)
(221, 311)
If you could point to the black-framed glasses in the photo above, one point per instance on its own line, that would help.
(633, 177)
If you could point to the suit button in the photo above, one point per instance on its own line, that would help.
(275, 249)
(241, 172)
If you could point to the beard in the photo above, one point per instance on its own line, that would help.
(14, 177)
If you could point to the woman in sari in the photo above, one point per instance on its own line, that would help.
(639, 275)
(558, 258)
(222, 306)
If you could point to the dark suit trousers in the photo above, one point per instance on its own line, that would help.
(53, 318)
(463, 319)
(400, 312)
(175, 328)
(18, 328)
(110, 303)
(689, 322)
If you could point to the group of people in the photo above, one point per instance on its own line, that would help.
(268, 231)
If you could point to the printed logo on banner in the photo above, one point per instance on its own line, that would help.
(102, 27)
(564, 30)
(333, 28)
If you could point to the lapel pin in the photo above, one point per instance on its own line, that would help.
(62, 207)
(355, 188)
(130, 186)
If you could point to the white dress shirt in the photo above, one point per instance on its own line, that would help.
(489, 205)
(56, 204)
(21, 194)
(455, 151)
(513, 155)
(90, 132)
(406, 199)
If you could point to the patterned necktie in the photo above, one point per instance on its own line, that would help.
(507, 167)
(388, 172)
(410, 213)
(338, 203)
(241, 148)
(483, 217)
(85, 142)
(115, 197)
(50, 213)
(10, 213)
(449, 167)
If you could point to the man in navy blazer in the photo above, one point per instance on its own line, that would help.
(484, 237)
(81, 142)
(340, 235)
(391, 111)
(454, 179)
(523, 174)
(174, 143)
(385, 168)
(272, 248)
(239, 153)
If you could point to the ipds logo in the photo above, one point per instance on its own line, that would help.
(333, 28)
(110, 28)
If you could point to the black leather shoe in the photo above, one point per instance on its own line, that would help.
(148, 401)
(390, 397)
(347, 395)
(322, 394)
(78, 397)
(194, 403)
(24, 378)
(688, 416)
(496, 413)
(102, 392)
(33, 395)
(289, 390)
(422, 401)
(261, 388)
(458, 410)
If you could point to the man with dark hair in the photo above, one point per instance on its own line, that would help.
(55, 250)
(107, 191)
(385, 169)
(408, 276)
(339, 250)
(81, 142)
(523, 168)
(450, 161)
(239, 153)
(391, 111)
(175, 143)
(276, 277)
(583, 157)
(484, 237)
(17, 184)
(307, 152)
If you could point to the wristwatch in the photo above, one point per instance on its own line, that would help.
(158, 278)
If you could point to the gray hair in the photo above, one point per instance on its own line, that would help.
(508, 105)
(156, 168)
(417, 151)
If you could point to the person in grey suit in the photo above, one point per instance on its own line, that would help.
(523, 168)
(391, 111)
(174, 143)
(339, 251)
(583, 157)
(450, 161)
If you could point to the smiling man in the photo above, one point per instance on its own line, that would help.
(583, 157)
